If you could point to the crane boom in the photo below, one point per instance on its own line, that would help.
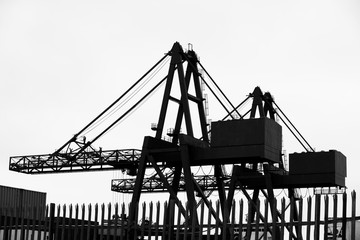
(154, 183)
(66, 162)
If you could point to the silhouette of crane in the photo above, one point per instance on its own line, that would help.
(250, 144)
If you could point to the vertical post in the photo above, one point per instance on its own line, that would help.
(326, 217)
(266, 204)
(308, 227)
(102, 217)
(291, 224)
(299, 227)
(335, 218)
(157, 220)
(344, 216)
(232, 220)
(95, 231)
(89, 232)
(217, 222)
(209, 222)
(63, 224)
(7, 217)
(275, 228)
(257, 219)
(317, 217)
(76, 231)
(353, 214)
(52, 221)
(241, 218)
(82, 231)
(142, 220)
(45, 224)
(57, 222)
(282, 231)
(150, 220)
(122, 221)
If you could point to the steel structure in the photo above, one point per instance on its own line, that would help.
(68, 162)
(251, 145)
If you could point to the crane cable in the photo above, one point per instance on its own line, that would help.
(218, 88)
(135, 106)
(88, 144)
(129, 110)
(128, 98)
(297, 131)
(237, 107)
(138, 104)
(109, 107)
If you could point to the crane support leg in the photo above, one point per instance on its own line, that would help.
(221, 190)
(185, 159)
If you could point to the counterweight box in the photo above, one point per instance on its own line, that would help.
(317, 163)
(253, 138)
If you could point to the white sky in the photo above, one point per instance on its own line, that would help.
(63, 62)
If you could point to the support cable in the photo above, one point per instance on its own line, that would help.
(218, 88)
(136, 91)
(109, 107)
(294, 127)
(302, 144)
(238, 106)
(130, 109)
(120, 118)
(136, 107)
(222, 104)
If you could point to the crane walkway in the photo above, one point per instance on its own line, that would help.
(67, 162)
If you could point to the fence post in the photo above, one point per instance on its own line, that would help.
(51, 221)
(317, 217)
(353, 214)
(308, 227)
(291, 220)
(344, 221)
(157, 222)
(63, 224)
(241, 216)
(89, 232)
(335, 218)
(150, 219)
(275, 226)
(232, 226)
(283, 209)
(326, 217)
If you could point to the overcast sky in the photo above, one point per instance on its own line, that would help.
(63, 62)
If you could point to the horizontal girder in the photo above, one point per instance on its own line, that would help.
(66, 162)
(155, 184)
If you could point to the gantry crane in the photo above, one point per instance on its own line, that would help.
(250, 144)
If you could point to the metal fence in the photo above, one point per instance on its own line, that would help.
(317, 217)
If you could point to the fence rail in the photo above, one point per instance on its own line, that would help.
(318, 217)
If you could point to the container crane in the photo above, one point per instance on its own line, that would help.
(251, 145)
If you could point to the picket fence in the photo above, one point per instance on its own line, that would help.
(319, 217)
